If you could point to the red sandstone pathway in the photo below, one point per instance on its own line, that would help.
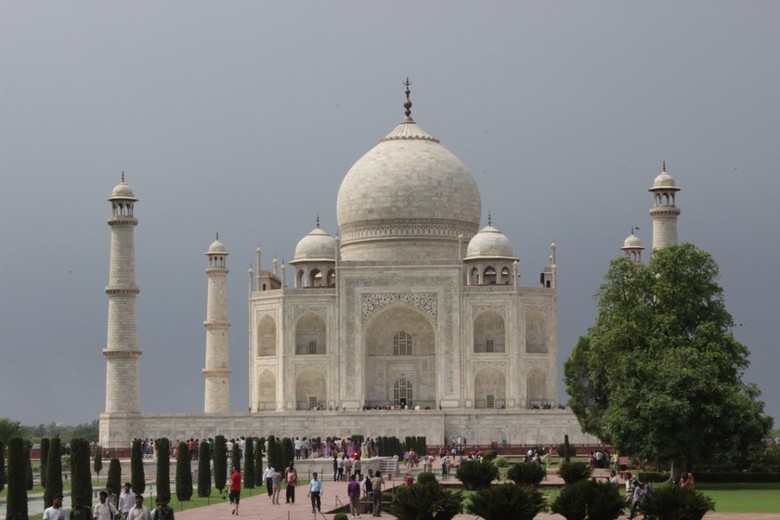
(259, 507)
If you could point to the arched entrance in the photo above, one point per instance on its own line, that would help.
(400, 346)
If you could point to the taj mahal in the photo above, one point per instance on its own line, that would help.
(409, 320)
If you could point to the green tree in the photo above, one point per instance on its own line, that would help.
(476, 475)
(249, 463)
(288, 453)
(114, 478)
(53, 472)
(81, 472)
(97, 461)
(589, 500)
(44, 459)
(527, 473)
(235, 456)
(164, 467)
(9, 429)
(16, 500)
(274, 453)
(28, 463)
(183, 474)
(220, 462)
(507, 501)
(204, 470)
(137, 476)
(259, 449)
(2, 465)
(659, 374)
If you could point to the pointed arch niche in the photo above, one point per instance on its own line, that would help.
(536, 388)
(310, 335)
(266, 391)
(489, 333)
(489, 389)
(311, 390)
(266, 337)
(535, 333)
(400, 346)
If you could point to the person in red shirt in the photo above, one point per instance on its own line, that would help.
(235, 489)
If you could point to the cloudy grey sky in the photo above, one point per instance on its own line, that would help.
(243, 117)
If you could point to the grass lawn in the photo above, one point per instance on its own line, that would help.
(744, 498)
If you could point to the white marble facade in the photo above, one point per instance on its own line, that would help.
(413, 305)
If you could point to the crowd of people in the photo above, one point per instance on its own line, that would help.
(125, 506)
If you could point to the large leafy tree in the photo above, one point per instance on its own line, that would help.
(659, 374)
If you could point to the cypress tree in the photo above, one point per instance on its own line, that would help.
(220, 462)
(16, 505)
(2, 466)
(183, 474)
(28, 463)
(137, 477)
(288, 452)
(259, 448)
(97, 463)
(204, 470)
(53, 472)
(164, 468)
(235, 457)
(249, 463)
(44, 460)
(81, 473)
(274, 454)
(114, 475)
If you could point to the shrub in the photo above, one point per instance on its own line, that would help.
(53, 472)
(235, 457)
(489, 455)
(220, 462)
(81, 473)
(425, 501)
(426, 477)
(507, 501)
(28, 463)
(588, 499)
(562, 451)
(16, 504)
(2, 466)
(137, 477)
(572, 472)
(259, 461)
(164, 467)
(114, 475)
(204, 470)
(652, 476)
(288, 453)
(183, 474)
(675, 503)
(97, 463)
(501, 462)
(527, 473)
(340, 516)
(476, 475)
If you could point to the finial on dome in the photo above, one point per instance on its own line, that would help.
(217, 236)
(123, 176)
(318, 220)
(634, 228)
(490, 219)
(663, 167)
(408, 102)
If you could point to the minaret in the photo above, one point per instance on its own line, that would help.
(664, 212)
(217, 371)
(632, 248)
(121, 352)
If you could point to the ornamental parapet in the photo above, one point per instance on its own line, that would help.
(217, 270)
(121, 354)
(428, 228)
(119, 221)
(126, 291)
(216, 324)
(665, 210)
(217, 372)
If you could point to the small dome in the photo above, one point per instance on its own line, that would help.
(632, 242)
(489, 242)
(664, 181)
(122, 191)
(217, 247)
(317, 245)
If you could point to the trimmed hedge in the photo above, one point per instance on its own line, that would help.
(737, 477)
(527, 473)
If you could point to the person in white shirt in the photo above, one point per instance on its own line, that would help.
(269, 483)
(140, 511)
(56, 511)
(126, 500)
(104, 510)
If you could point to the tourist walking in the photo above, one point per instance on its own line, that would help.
(315, 492)
(105, 510)
(235, 489)
(377, 484)
(353, 492)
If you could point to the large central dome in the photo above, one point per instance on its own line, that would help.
(408, 198)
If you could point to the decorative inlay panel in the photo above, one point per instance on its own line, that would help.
(373, 302)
